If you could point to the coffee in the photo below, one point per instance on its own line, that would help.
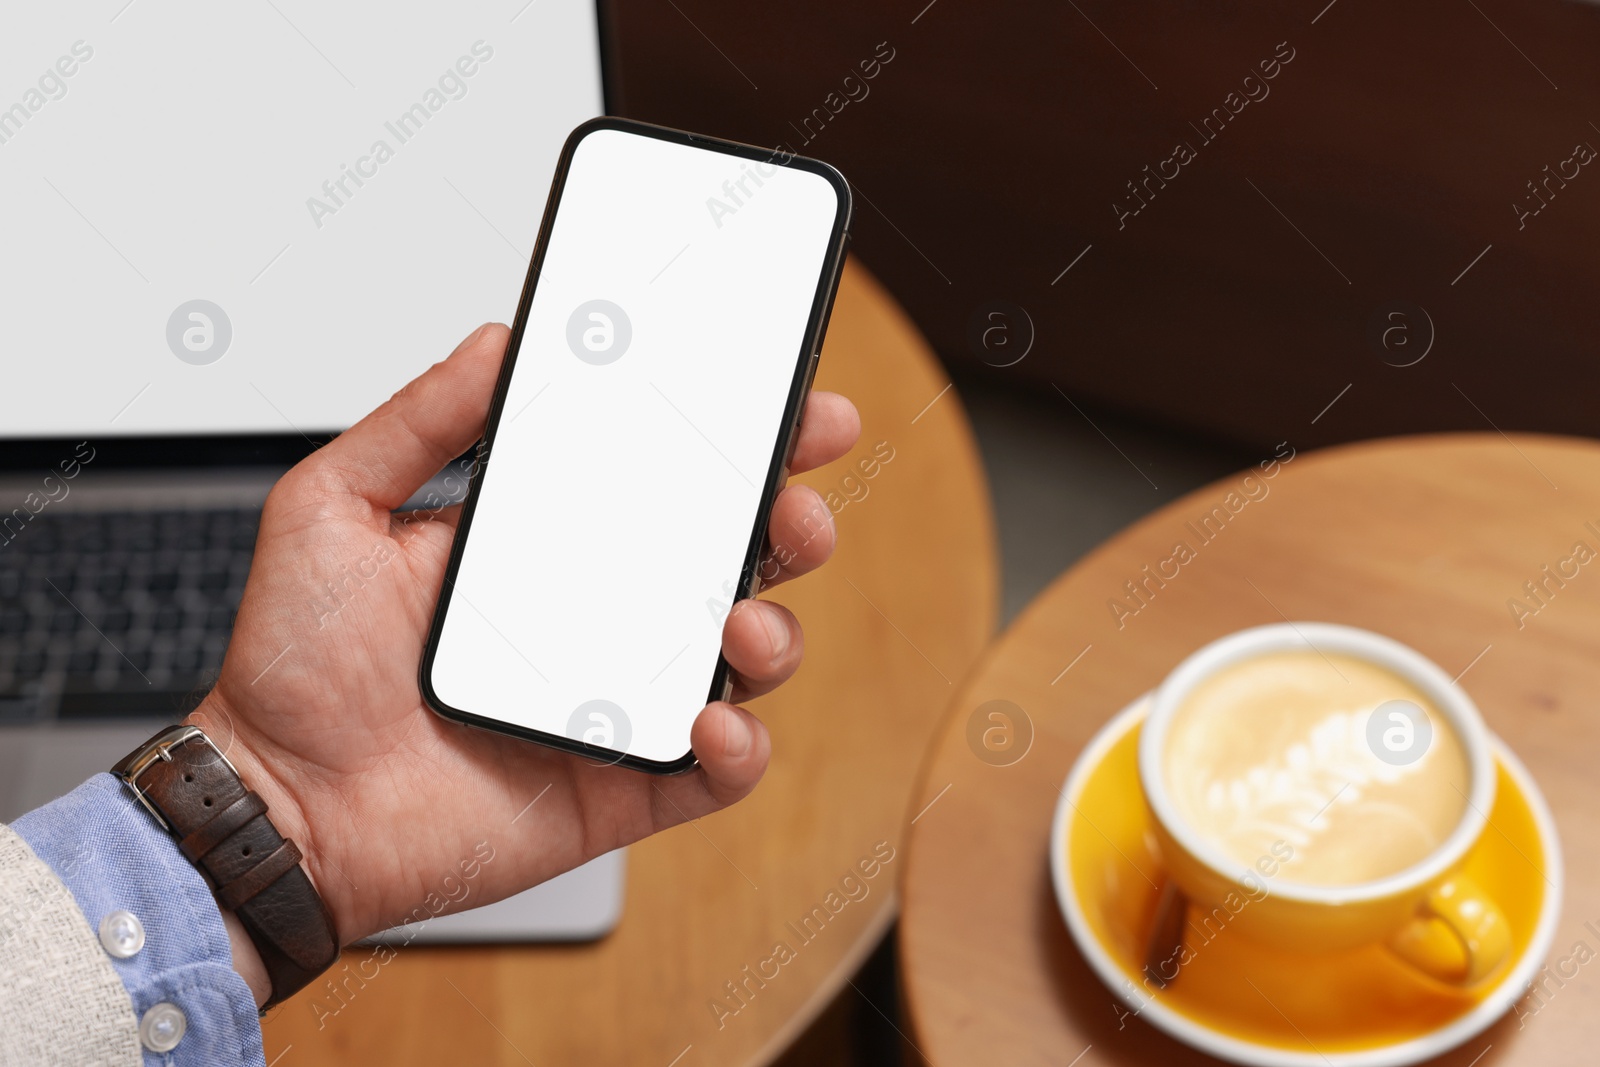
(1277, 748)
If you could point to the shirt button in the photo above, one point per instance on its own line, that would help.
(121, 934)
(162, 1027)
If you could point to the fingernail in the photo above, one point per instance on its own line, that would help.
(736, 741)
(474, 335)
(777, 632)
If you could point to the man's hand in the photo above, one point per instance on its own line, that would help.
(389, 802)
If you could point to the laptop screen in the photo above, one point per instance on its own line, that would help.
(265, 218)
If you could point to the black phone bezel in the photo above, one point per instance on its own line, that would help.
(805, 368)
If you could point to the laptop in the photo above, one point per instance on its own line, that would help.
(231, 230)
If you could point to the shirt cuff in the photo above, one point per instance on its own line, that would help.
(113, 856)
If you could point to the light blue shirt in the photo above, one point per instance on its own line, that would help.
(113, 856)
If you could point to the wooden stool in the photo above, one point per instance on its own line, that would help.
(1429, 540)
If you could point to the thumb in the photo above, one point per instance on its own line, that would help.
(388, 455)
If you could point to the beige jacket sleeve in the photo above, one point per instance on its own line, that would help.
(60, 1000)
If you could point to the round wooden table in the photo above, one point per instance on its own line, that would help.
(892, 623)
(1425, 539)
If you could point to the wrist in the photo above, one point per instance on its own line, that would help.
(285, 805)
(261, 774)
(221, 826)
(246, 959)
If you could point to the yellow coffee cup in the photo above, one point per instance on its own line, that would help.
(1429, 913)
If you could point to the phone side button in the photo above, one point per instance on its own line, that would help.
(799, 416)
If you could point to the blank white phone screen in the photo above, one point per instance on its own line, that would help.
(625, 475)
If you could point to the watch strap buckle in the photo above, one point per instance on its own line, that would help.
(159, 749)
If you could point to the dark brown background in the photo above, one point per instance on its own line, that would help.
(988, 153)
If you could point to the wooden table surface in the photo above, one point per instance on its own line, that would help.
(898, 617)
(1425, 539)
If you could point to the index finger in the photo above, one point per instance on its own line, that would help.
(828, 429)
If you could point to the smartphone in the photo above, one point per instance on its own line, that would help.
(641, 429)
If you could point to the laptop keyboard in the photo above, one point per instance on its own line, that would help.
(118, 614)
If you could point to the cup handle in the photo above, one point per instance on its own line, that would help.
(1458, 936)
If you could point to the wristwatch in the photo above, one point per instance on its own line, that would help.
(188, 785)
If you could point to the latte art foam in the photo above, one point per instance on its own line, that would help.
(1275, 748)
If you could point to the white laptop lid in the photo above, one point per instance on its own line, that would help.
(339, 192)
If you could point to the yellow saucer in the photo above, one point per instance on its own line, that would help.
(1360, 1008)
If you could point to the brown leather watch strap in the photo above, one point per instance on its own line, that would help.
(223, 829)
